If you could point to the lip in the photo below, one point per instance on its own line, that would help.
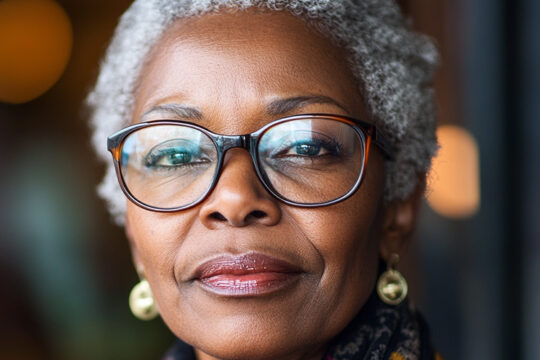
(251, 274)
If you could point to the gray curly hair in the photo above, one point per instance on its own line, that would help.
(393, 65)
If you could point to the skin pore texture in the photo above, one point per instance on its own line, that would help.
(230, 67)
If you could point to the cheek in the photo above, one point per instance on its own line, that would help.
(346, 237)
(156, 239)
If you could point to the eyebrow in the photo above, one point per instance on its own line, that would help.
(182, 111)
(283, 106)
(277, 107)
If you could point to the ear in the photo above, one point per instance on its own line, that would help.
(134, 250)
(399, 222)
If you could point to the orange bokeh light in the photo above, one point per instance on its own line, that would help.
(454, 180)
(35, 45)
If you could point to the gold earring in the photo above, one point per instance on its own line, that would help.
(391, 286)
(141, 301)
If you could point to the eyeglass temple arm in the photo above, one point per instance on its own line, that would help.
(381, 141)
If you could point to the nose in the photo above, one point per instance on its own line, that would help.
(239, 199)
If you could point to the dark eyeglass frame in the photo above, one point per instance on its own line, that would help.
(367, 132)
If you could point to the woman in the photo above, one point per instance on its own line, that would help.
(272, 154)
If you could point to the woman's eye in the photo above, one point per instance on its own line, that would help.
(168, 158)
(173, 158)
(307, 149)
(174, 155)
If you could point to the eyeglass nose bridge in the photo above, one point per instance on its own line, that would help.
(226, 142)
(247, 142)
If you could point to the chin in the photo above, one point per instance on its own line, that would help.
(250, 334)
(239, 344)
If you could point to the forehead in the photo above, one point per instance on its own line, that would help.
(232, 64)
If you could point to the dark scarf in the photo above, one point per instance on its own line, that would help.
(382, 331)
(379, 331)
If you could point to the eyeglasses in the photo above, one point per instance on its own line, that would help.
(305, 160)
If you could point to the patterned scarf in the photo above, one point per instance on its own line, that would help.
(379, 331)
(382, 331)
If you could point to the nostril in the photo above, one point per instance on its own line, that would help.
(218, 216)
(258, 214)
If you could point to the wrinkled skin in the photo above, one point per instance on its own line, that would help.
(230, 67)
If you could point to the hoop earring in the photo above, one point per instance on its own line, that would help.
(141, 301)
(392, 287)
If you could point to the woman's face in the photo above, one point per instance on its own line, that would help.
(315, 266)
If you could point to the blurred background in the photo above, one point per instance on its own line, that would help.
(473, 269)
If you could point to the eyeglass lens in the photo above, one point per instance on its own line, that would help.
(304, 161)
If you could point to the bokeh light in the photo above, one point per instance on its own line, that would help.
(35, 45)
(454, 180)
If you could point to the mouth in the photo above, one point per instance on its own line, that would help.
(251, 274)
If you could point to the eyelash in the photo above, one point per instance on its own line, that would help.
(333, 147)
